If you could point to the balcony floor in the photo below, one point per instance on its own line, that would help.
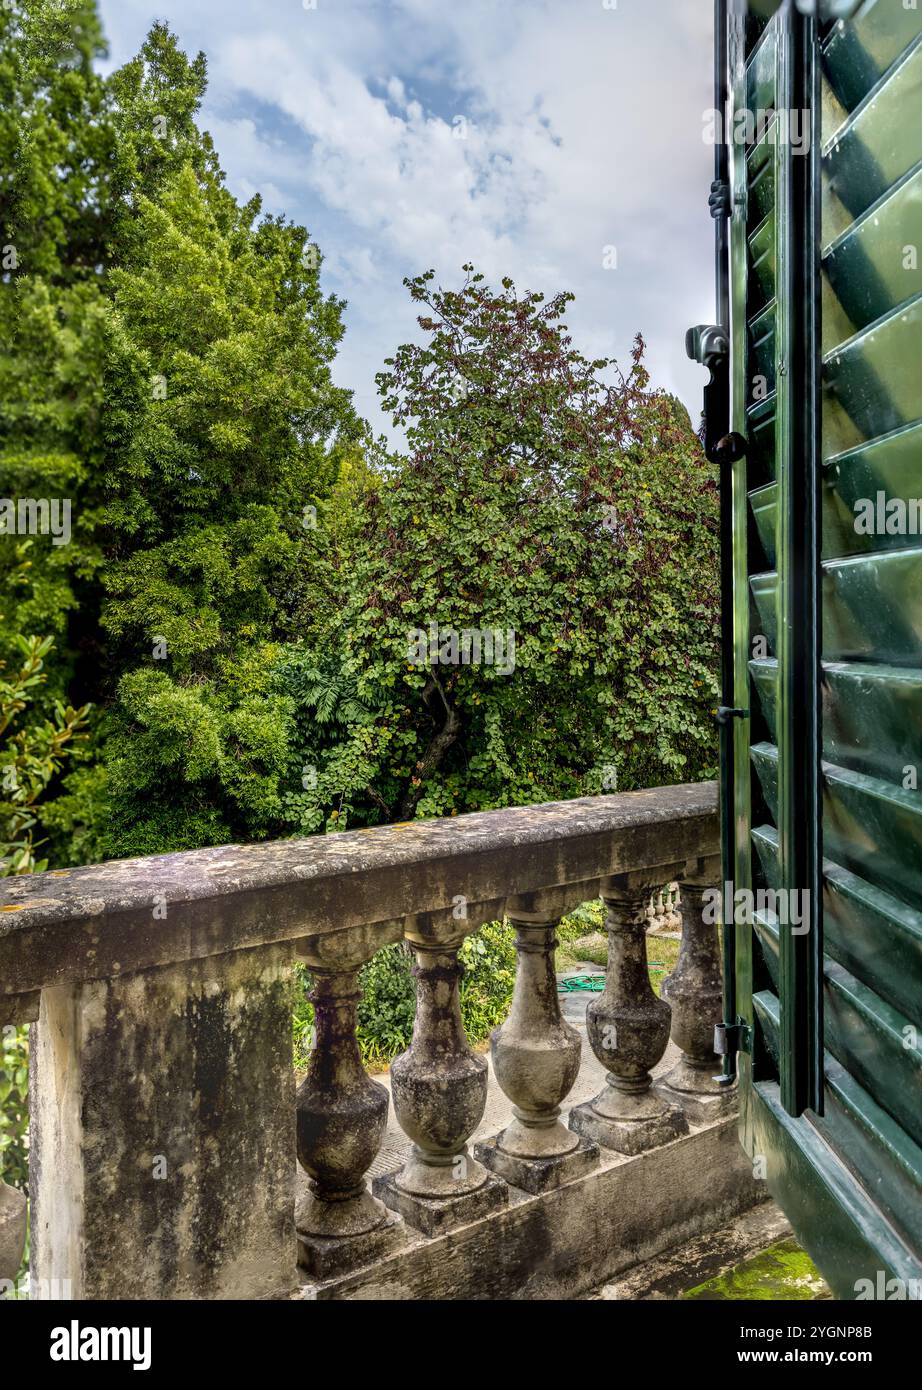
(754, 1258)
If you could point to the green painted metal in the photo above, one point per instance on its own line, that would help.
(877, 144)
(835, 1217)
(856, 55)
(883, 473)
(764, 355)
(797, 604)
(864, 1034)
(760, 184)
(888, 464)
(868, 1037)
(762, 253)
(873, 934)
(872, 607)
(760, 73)
(760, 427)
(873, 379)
(851, 1233)
(873, 719)
(872, 716)
(870, 827)
(873, 266)
(839, 508)
(752, 187)
(826, 340)
(879, 1149)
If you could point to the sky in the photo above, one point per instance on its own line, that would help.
(556, 141)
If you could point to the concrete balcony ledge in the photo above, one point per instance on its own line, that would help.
(166, 1134)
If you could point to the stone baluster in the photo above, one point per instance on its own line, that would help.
(655, 912)
(536, 1058)
(439, 1089)
(341, 1121)
(628, 1028)
(694, 991)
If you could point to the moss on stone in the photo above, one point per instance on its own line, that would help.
(782, 1272)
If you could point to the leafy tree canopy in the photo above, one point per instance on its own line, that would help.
(167, 369)
(545, 496)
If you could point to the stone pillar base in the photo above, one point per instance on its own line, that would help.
(436, 1215)
(328, 1257)
(655, 1121)
(701, 1097)
(538, 1174)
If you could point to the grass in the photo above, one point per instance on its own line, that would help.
(582, 939)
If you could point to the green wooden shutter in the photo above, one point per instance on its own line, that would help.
(824, 752)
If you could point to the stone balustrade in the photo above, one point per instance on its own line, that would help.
(166, 1130)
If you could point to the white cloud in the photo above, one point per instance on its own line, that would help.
(582, 126)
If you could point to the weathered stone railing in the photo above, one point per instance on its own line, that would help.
(164, 1117)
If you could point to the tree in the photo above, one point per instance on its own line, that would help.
(235, 434)
(546, 497)
(32, 754)
(168, 372)
(55, 146)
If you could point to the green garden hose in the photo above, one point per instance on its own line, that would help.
(595, 983)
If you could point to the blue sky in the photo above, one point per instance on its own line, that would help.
(530, 136)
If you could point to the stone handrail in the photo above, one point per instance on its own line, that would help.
(163, 1105)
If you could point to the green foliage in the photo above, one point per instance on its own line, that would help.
(245, 568)
(387, 1007)
(55, 203)
(236, 429)
(543, 494)
(32, 751)
(166, 368)
(14, 1107)
(488, 957)
(54, 138)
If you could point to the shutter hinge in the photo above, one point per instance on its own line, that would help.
(730, 1038)
(719, 200)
